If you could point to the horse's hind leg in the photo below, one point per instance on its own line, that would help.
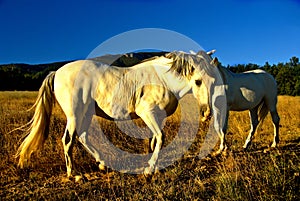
(271, 105)
(254, 123)
(85, 114)
(83, 138)
(276, 120)
(68, 143)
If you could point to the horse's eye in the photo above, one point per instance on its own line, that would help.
(198, 82)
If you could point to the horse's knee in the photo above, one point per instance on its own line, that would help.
(156, 141)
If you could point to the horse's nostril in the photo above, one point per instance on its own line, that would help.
(203, 109)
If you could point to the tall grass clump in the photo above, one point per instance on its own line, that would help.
(258, 176)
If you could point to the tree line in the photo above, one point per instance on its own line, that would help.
(287, 75)
(25, 77)
(22, 77)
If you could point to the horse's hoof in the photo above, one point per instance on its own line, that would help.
(148, 171)
(245, 147)
(78, 178)
(225, 153)
(274, 145)
(102, 167)
(66, 179)
(267, 150)
(215, 154)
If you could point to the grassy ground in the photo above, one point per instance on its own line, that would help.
(250, 175)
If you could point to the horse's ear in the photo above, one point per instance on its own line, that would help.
(211, 52)
(215, 62)
(199, 52)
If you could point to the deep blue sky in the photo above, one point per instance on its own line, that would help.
(242, 31)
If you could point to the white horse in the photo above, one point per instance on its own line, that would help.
(255, 91)
(86, 88)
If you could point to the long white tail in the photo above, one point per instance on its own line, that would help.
(39, 124)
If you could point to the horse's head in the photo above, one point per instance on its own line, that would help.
(201, 92)
(196, 68)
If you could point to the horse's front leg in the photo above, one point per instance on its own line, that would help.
(223, 146)
(221, 130)
(158, 139)
(150, 120)
(254, 123)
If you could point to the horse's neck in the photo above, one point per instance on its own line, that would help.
(178, 85)
(226, 74)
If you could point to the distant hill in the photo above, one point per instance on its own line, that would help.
(28, 77)
(23, 77)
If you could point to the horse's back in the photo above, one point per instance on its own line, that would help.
(270, 89)
(246, 90)
(257, 78)
(267, 80)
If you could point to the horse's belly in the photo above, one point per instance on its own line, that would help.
(244, 100)
(113, 111)
(103, 114)
(241, 108)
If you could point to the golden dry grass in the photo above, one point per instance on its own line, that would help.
(250, 175)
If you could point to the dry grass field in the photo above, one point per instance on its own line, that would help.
(240, 175)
